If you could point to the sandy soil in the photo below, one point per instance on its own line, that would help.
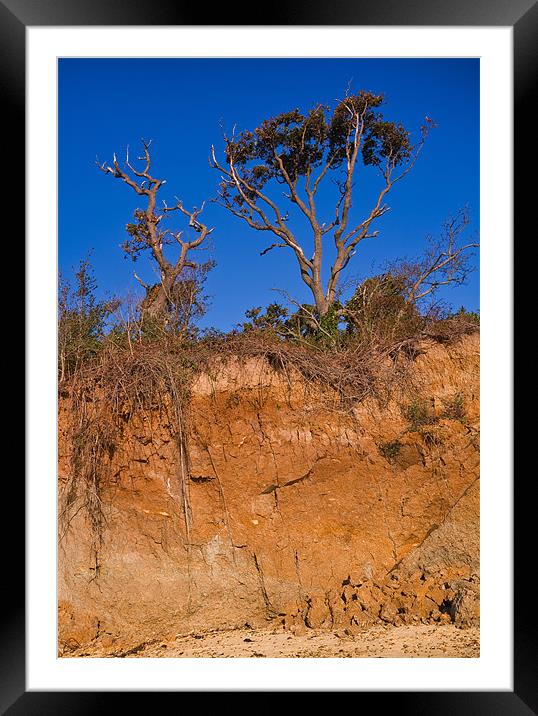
(446, 641)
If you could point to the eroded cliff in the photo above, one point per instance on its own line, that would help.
(276, 504)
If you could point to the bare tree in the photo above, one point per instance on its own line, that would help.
(147, 232)
(298, 151)
(446, 260)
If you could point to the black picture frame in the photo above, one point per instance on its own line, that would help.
(522, 16)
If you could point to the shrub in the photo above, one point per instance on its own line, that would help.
(463, 314)
(454, 408)
(303, 326)
(272, 320)
(419, 413)
(82, 320)
(452, 325)
(378, 311)
(390, 450)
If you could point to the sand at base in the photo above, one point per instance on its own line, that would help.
(424, 641)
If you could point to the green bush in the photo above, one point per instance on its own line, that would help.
(82, 320)
(304, 325)
(462, 314)
(272, 320)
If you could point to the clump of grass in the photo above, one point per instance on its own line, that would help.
(454, 407)
(432, 437)
(390, 450)
(419, 413)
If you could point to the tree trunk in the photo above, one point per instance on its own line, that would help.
(157, 297)
(322, 304)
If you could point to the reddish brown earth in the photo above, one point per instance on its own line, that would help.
(296, 522)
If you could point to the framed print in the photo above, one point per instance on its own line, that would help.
(232, 489)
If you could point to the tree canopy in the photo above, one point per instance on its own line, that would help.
(298, 151)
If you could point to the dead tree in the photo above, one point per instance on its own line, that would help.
(445, 262)
(298, 152)
(147, 232)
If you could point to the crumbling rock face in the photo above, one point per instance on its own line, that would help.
(288, 508)
(436, 582)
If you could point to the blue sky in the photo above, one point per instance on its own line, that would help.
(181, 104)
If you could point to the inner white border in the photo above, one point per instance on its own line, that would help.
(493, 670)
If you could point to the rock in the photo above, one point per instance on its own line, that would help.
(299, 629)
(436, 594)
(465, 608)
(388, 613)
(318, 614)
